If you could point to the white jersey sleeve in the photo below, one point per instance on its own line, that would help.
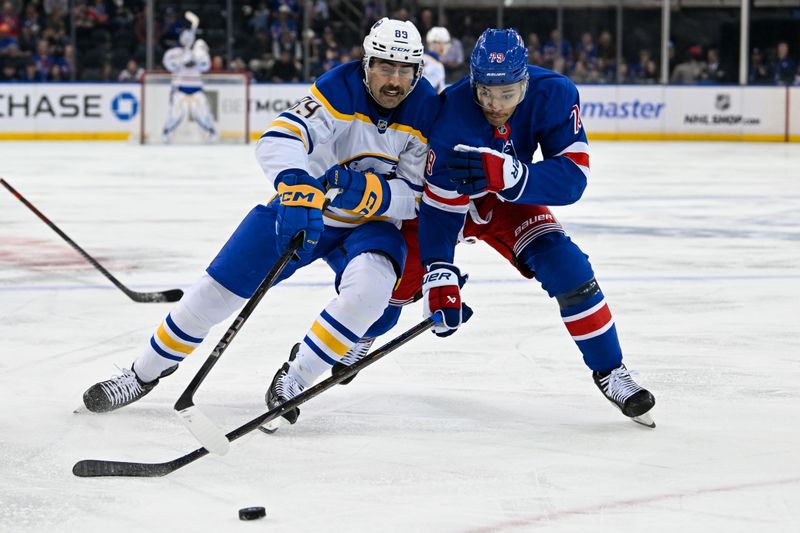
(434, 72)
(289, 139)
(336, 123)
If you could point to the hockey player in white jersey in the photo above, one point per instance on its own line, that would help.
(187, 63)
(438, 40)
(362, 128)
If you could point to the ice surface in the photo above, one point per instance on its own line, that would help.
(498, 428)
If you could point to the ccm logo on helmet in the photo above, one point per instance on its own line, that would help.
(398, 49)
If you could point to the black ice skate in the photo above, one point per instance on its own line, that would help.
(635, 402)
(354, 355)
(120, 390)
(282, 389)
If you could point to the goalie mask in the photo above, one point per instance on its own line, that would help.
(186, 38)
(396, 41)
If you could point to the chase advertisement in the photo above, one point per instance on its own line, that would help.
(112, 111)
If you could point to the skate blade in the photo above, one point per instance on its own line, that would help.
(204, 430)
(273, 425)
(645, 419)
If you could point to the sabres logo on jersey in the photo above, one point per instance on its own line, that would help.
(382, 125)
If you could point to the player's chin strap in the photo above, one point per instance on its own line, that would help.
(209, 435)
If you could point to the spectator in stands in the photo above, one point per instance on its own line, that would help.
(651, 73)
(557, 47)
(9, 71)
(425, 21)
(30, 72)
(217, 64)
(97, 12)
(785, 68)
(689, 71)
(55, 7)
(8, 43)
(587, 46)
(42, 59)
(55, 73)
(9, 17)
(713, 72)
(283, 24)
(637, 70)
(606, 49)
(26, 41)
(131, 73)
(759, 72)
(238, 65)
(534, 47)
(172, 27)
(331, 60)
(259, 21)
(285, 68)
(31, 20)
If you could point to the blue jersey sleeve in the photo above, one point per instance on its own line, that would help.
(443, 210)
(560, 178)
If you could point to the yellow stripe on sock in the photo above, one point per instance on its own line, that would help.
(171, 343)
(330, 341)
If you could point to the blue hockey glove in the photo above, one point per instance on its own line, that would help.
(441, 292)
(365, 193)
(475, 170)
(301, 202)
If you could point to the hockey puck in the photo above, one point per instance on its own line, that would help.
(252, 513)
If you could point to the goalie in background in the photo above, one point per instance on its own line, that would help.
(187, 63)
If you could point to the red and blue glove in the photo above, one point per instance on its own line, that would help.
(441, 292)
(475, 170)
(302, 199)
(364, 193)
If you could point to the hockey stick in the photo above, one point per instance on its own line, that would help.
(204, 430)
(101, 468)
(172, 295)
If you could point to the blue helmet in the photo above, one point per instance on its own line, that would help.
(499, 58)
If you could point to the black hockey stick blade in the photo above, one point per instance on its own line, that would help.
(172, 295)
(101, 468)
(197, 422)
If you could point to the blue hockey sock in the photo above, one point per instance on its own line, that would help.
(591, 325)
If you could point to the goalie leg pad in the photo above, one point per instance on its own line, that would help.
(201, 112)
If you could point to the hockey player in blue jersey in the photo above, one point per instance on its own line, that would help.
(481, 183)
(362, 128)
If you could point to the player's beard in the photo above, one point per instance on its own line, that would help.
(497, 118)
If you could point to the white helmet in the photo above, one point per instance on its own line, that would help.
(186, 38)
(437, 34)
(393, 40)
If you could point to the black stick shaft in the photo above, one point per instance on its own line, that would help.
(186, 399)
(100, 468)
(167, 296)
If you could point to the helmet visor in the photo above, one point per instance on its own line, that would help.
(500, 97)
(387, 70)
